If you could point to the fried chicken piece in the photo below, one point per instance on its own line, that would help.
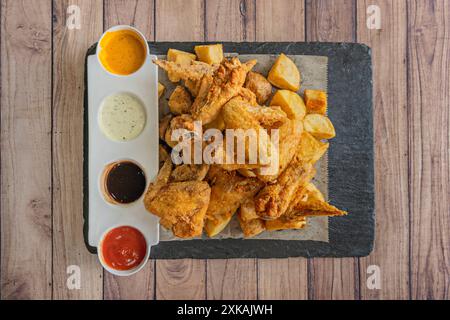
(268, 117)
(289, 138)
(228, 191)
(180, 205)
(195, 71)
(237, 115)
(313, 208)
(248, 96)
(180, 101)
(163, 155)
(227, 83)
(259, 85)
(309, 201)
(273, 201)
(193, 86)
(183, 121)
(189, 172)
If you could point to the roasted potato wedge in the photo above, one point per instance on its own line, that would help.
(285, 224)
(259, 85)
(247, 211)
(161, 89)
(251, 228)
(310, 149)
(319, 126)
(284, 74)
(316, 101)
(215, 226)
(211, 53)
(291, 103)
(180, 101)
(163, 125)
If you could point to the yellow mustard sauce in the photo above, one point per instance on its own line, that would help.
(122, 117)
(122, 52)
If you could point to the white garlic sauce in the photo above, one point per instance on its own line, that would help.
(122, 117)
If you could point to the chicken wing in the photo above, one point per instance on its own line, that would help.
(228, 191)
(227, 83)
(180, 205)
(273, 201)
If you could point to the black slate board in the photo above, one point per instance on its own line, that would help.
(350, 160)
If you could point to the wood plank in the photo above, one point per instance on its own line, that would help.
(429, 143)
(180, 20)
(280, 20)
(69, 49)
(285, 279)
(180, 279)
(231, 279)
(138, 13)
(332, 21)
(26, 150)
(288, 278)
(391, 253)
(230, 20)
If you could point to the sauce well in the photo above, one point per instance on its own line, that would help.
(125, 182)
(123, 248)
(122, 52)
(122, 117)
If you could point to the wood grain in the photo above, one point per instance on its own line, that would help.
(280, 20)
(285, 279)
(180, 20)
(138, 13)
(180, 279)
(429, 143)
(391, 251)
(232, 279)
(288, 278)
(26, 223)
(332, 21)
(69, 49)
(230, 20)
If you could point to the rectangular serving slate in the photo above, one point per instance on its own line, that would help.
(350, 159)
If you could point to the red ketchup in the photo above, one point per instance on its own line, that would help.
(123, 248)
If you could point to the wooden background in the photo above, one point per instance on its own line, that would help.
(41, 148)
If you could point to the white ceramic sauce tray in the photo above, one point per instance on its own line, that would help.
(143, 150)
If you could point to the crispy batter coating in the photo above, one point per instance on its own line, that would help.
(273, 201)
(260, 86)
(180, 205)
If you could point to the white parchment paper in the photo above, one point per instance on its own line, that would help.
(314, 75)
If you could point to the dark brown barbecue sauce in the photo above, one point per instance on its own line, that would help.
(125, 182)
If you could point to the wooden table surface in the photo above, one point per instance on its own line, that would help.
(41, 148)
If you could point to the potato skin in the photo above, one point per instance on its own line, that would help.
(259, 85)
(316, 101)
(285, 74)
(180, 101)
